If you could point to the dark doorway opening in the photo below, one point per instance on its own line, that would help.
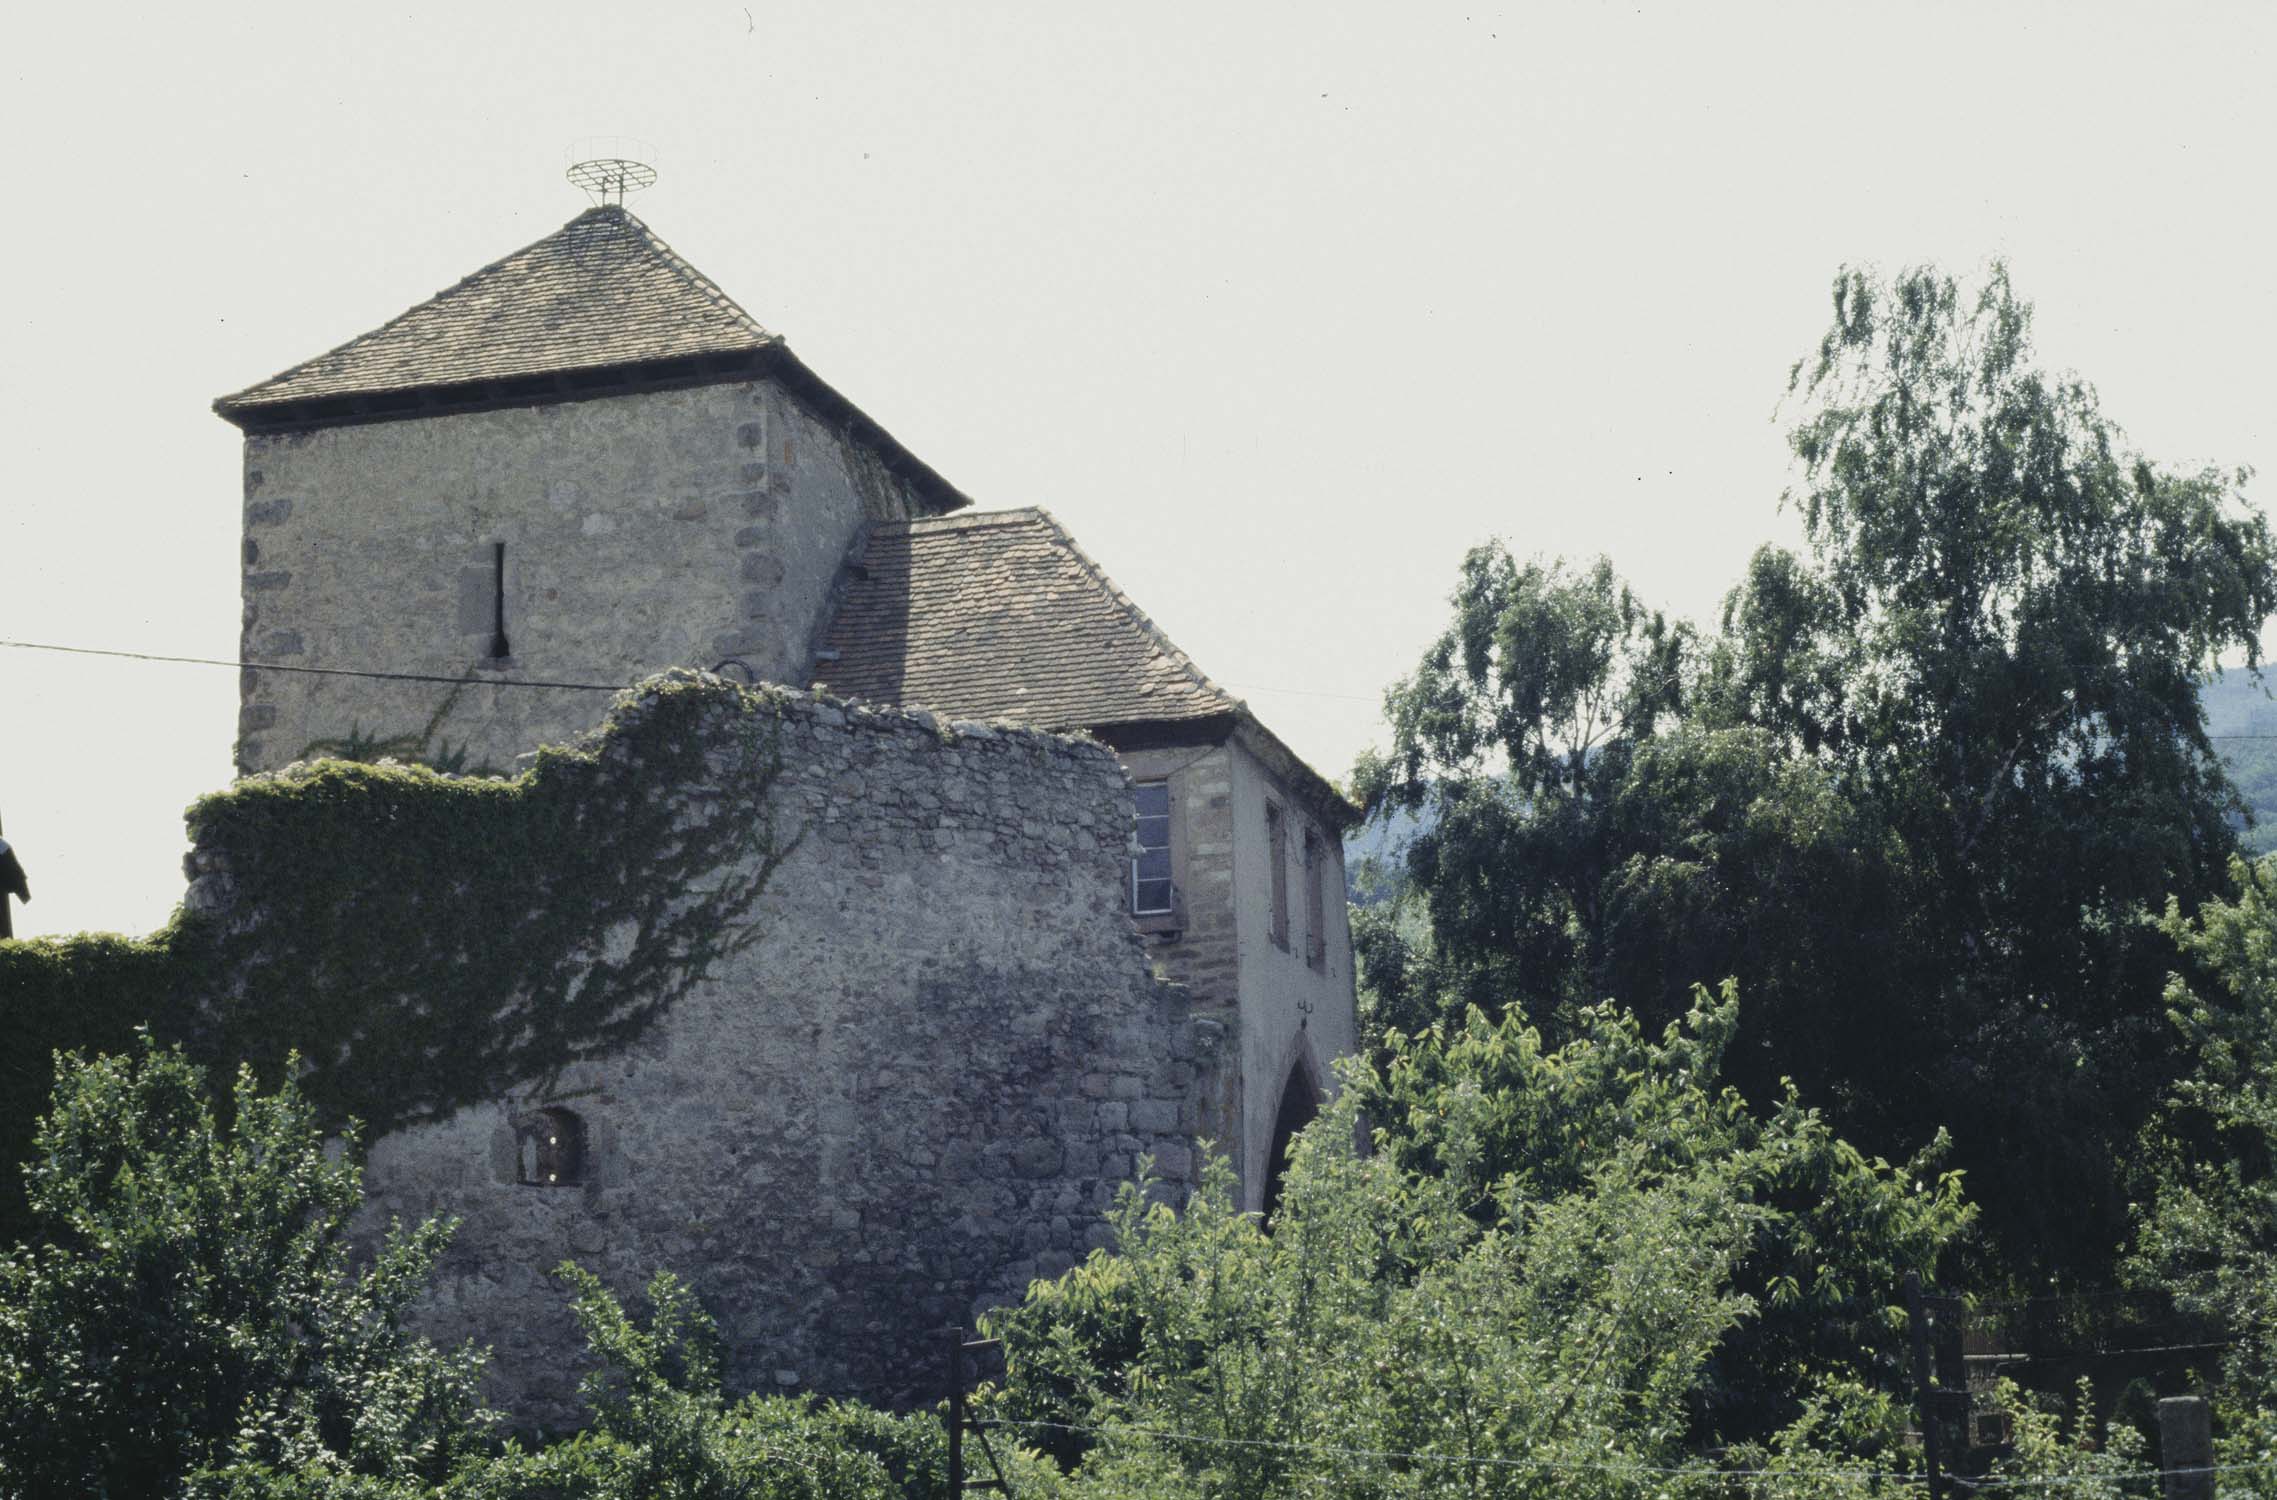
(1300, 1106)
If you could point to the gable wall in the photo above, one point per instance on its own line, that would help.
(672, 528)
(1289, 1009)
(1197, 946)
(1274, 1006)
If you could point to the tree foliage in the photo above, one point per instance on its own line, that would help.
(1919, 792)
(664, 1430)
(1510, 1123)
(1379, 1319)
(2209, 1224)
(191, 1323)
(1555, 1272)
(1572, 1271)
(191, 1303)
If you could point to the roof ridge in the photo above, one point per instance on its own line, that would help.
(971, 520)
(1137, 616)
(679, 263)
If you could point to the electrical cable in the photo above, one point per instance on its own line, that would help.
(585, 687)
(1597, 1467)
(277, 666)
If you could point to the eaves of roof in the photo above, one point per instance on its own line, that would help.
(600, 307)
(1240, 725)
(775, 362)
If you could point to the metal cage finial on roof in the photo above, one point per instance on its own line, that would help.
(607, 179)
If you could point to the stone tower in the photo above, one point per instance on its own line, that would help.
(581, 464)
(584, 465)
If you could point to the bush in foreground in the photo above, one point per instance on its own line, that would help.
(190, 1303)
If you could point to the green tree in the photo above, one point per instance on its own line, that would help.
(2017, 611)
(191, 1303)
(1591, 834)
(2208, 1231)
(1509, 1123)
(1918, 793)
(663, 1430)
(1518, 729)
(1378, 1319)
(1558, 1271)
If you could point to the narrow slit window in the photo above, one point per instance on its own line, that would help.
(1277, 853)
(1150, 867)
(1316, 908)
(499, 647)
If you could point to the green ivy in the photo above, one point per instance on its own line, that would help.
(424, 747)
(425, 941)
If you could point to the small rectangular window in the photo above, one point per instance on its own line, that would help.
(551, 1148)
(1316, 909)
(1150, 867)
(1277, 852)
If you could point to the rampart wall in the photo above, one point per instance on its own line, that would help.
(917, 1087)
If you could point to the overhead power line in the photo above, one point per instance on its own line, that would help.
(578, 687)
(1601, 1466)
(278, 666)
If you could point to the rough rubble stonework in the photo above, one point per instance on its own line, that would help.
(919, 1089)
(584, 464)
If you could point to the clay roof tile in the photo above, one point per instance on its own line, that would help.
(999, 614)
(600, 291)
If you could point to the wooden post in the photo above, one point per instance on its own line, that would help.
(957, 1411)
(1925, 1402)
(2185, 1448)
(10, 873)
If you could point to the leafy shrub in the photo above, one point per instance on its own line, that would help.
(191, 1302)
(1555, 1350)
(1557, 1271)
(1512, 1124)
(663, 1429)
(2209, 1229)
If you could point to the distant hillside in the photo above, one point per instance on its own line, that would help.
(2235, 705)
(1375, 856)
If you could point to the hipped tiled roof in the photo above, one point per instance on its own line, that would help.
(599, 307)
(600, 291)
(999, 615)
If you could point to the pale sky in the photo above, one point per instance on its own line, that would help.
(1278, 308)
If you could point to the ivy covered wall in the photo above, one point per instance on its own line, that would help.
(420, 940)
(842, 1006)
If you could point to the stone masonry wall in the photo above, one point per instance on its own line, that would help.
(1276, 1005)
(672, 528)
(1198, 945)
(1291, 1009)
(918, 1090)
